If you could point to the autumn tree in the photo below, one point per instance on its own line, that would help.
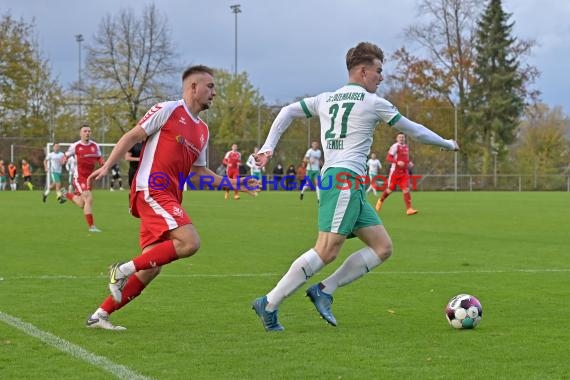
(496, 101)
(543, 147)
(30, 100)
(130, 66)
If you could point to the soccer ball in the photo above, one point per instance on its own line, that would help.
(464, 312)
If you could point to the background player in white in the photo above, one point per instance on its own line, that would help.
(70, 167)
(348, 117)
(374, 165)
(314, 162)
(256, 171)
(52, 164)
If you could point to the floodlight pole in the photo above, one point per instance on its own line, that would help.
(236, 9)
(79, 40)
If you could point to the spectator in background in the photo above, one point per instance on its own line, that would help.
(302, 174)
(290, 180)
(133, 157)
(2, 176)
(12, 174)
(278, 172)
(27, 174)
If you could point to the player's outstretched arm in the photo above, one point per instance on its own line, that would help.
(279, 126)
(424, 135)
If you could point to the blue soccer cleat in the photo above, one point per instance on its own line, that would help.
(322, 302)
(268, 318)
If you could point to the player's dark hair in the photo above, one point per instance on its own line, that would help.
(363, 53)
(197, 69)
(84, 125)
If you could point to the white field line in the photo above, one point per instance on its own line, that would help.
(101, 362)
(230, 275)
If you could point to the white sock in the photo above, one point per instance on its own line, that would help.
(300, 271)
(127, 269)
(354, 267)
(318, 193)
(46, 193)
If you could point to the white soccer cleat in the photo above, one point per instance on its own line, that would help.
(117, 281)
(101, 321)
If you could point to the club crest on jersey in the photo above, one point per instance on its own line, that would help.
(182, 120)
(181, 140)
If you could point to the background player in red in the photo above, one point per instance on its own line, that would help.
(87, 153)
(175, 141)
(399, 156)
(232, 160)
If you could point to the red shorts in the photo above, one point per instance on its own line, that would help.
(399, 179)
(159, 213)
(233, 173)
(80, 185)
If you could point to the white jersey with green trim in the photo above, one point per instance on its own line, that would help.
(348, 118)
(54, 160)
(313, 157)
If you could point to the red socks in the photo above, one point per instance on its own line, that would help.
(158, 256)
(69, 196)
(132, 289)
(408, 200)
(89, 219)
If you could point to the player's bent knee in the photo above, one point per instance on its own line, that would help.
(187, 248)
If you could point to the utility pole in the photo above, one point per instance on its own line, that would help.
(236, 9)
(79, 40)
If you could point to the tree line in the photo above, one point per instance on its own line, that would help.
(471, 80)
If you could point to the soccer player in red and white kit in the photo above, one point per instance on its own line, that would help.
(87, 154)
(399, 156)
(175, 141)
(232, 160)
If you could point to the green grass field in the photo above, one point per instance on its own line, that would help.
(511, 250)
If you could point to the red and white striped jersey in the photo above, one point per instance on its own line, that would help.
(232, 159)
(176, 142)
(86, 156)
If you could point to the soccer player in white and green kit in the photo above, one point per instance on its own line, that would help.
(52, 165)
(348, 118)
(313, 160)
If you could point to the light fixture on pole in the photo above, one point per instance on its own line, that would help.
(236, 9)
(79, 40)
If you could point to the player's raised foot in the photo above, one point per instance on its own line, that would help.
(379, 205)
(322, 302)
(411, 211)
(44, 197)
(268, 318)
(117, 281)
(101, 321)
(94, 228)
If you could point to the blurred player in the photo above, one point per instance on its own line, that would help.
(87, 154)
(27, 174)
(374, 165)
(175, 142)
(3, 174)
(53, 164)
(70, 164)
(232, 160)
(116, 176)
(399, 156)
(314, 162)
(256, 171)
(343, 210)
(133, 157)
